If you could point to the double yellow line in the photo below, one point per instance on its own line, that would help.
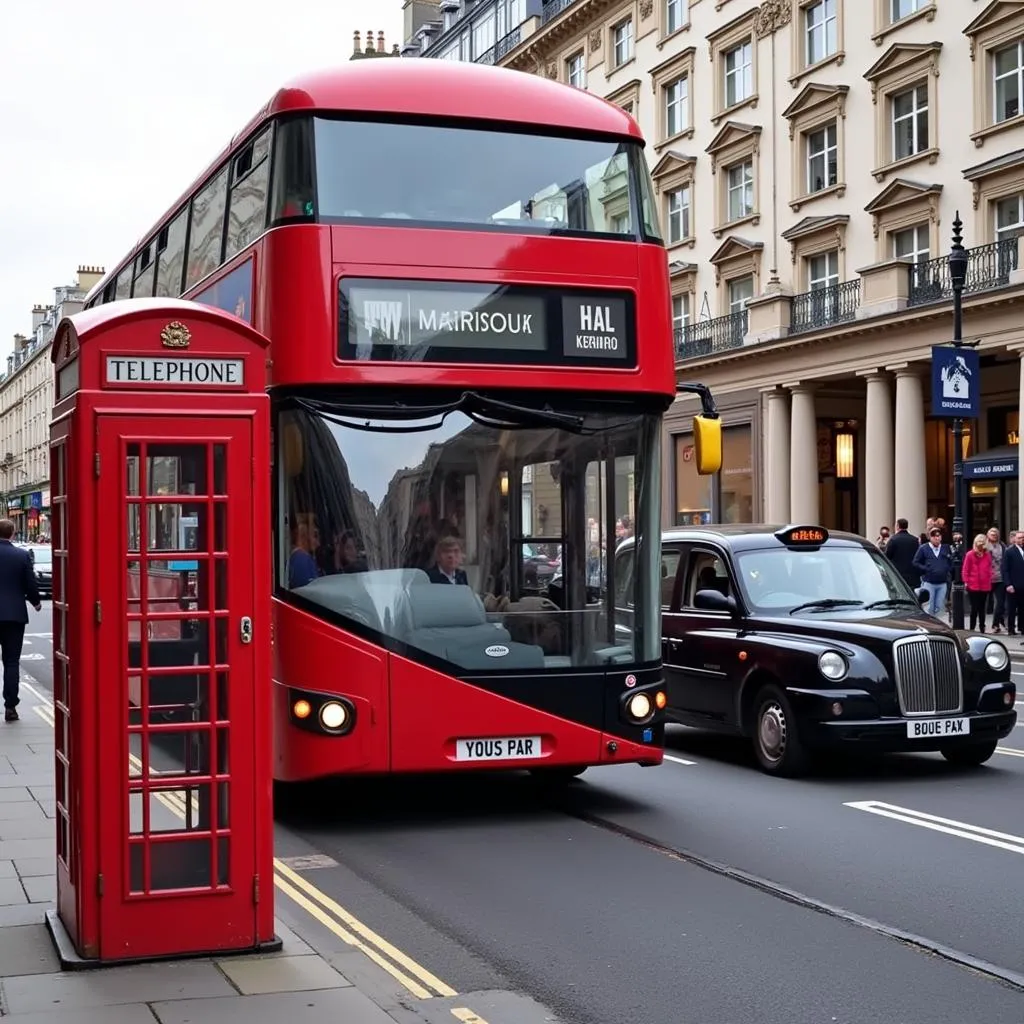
(415, 978)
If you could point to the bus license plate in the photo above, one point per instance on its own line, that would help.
(926, 728)
(503, 748)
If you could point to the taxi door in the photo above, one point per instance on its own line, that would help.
(701, 644)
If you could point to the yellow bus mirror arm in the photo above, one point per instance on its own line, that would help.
(708, 409)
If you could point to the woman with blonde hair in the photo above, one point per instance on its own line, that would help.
(977, 575)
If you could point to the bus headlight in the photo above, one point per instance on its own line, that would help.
(639, 706)
(333, 715)
(832, 665)
(995, 656)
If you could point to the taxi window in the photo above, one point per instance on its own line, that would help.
(707, 572)
(669, 566)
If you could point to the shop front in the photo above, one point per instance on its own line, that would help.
(726, 497)
(992, 497)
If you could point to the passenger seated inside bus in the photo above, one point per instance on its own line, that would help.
(302, 567)
(447, 567)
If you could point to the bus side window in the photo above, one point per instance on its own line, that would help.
(247, 206)
(291, 189)
(170, 254)
(205, 243)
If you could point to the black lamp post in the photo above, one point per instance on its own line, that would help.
(958, 275)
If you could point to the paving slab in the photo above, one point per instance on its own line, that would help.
(21, 810)
(137, 1013)
(146, 983)
(262, 975)
(11, 892)
(27, 949)
(38, 777)
(40, 888)
(15, 794)
(29, 827)
(15, 849)
(23, 913)
(332, 1006)
(30, 867)
(7, 869)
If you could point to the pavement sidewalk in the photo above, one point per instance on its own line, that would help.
(299, 984)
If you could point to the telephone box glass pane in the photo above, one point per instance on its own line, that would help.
(173, 469)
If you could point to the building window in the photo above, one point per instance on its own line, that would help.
(675, 15)
(576, 71)
(740, 291)
(823, 270)
(693, 492)
(910, 122)
(913, 244)
(821, 29)
(736, 478)
(676, 107)
(822, 158)
(620, 224)
(483, 35)
(739, 73)
(1010, 217)
(622, 42)
(905, 8)
(678, 204)
(740, 190)
(680, 311)
(1008, 68)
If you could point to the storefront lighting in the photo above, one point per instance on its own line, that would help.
(844, 456)
(504, 485)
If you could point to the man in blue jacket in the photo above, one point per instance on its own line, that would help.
(17, 585)
(934, 561)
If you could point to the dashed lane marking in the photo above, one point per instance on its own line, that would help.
(678, 760)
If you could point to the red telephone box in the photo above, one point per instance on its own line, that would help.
(160, 495)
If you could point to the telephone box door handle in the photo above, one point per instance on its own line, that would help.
(245, 629)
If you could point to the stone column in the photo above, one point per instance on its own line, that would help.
(880, 455)
(804, 499)
(776, 462)
(911, 490)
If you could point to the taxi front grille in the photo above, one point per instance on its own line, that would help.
(928, 676)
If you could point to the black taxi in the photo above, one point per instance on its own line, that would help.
(806, 640)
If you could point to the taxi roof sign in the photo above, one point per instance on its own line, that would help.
(803, 536)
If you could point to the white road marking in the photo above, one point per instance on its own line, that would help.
(951, 827)
(1010, 751)
(678, 760)
(32, 656)
(42, 636)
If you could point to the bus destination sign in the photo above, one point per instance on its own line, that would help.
(435, 321)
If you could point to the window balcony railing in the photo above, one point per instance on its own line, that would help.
(554, 9)
(822, 307)
(507, 43)
(708, 337)
(988, 266)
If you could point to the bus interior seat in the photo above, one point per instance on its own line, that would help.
(377, 599)
(451, 622)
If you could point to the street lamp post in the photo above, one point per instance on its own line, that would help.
(958, 275)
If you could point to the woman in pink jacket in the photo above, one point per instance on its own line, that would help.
(977, 573)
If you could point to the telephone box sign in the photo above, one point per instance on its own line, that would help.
(177, 371)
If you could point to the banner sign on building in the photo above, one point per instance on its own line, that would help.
(956, 382)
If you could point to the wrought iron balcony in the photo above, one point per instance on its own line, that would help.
(988, 266)
(708, 337)
(822, 307)
(507, 43)
(554, 9)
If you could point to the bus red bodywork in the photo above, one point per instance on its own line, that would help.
(533, 475)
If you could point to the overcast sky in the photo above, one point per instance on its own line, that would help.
(110, 109)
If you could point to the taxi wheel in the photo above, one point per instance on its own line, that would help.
(777, 745)
(970, 755)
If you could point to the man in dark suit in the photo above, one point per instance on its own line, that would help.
(17, 585)
(900, 550)
(447, 559)
(1013, 578)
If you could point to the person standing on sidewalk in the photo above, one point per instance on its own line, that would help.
(935, 563)
(17, 585)
(1013, 580)
(997, 602)
(977, 576)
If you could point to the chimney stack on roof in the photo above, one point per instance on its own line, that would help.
(373, 48)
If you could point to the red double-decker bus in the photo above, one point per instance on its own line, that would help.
(463, 280)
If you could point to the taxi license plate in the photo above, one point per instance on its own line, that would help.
(502, 748)
(926, 728)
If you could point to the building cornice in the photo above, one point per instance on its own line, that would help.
(532, 54)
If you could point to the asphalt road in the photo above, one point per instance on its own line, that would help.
(601, 902)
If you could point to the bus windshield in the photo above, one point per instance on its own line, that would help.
(456, 177)
(482, 543)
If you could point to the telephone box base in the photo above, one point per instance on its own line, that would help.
(70, 960)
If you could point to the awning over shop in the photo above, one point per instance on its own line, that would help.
(997, 463)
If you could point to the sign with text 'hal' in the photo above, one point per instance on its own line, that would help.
(175, 371)
(956, 382)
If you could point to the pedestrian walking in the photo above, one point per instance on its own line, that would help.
(1013, 579)
(17, 585)
(977, 576)
(997, 598)
(901, 549)
(934, 561)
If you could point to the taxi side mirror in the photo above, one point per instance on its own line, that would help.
(922, 596)
(707, 444)
(714, 601)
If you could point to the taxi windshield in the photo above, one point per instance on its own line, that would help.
(835, 579)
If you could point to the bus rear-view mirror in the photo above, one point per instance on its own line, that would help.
(707, 444)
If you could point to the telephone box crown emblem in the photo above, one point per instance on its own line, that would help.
(175, 335)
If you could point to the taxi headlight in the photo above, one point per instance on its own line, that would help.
(832, 665)
(333, 715)
(995, 656)
(639, 705)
